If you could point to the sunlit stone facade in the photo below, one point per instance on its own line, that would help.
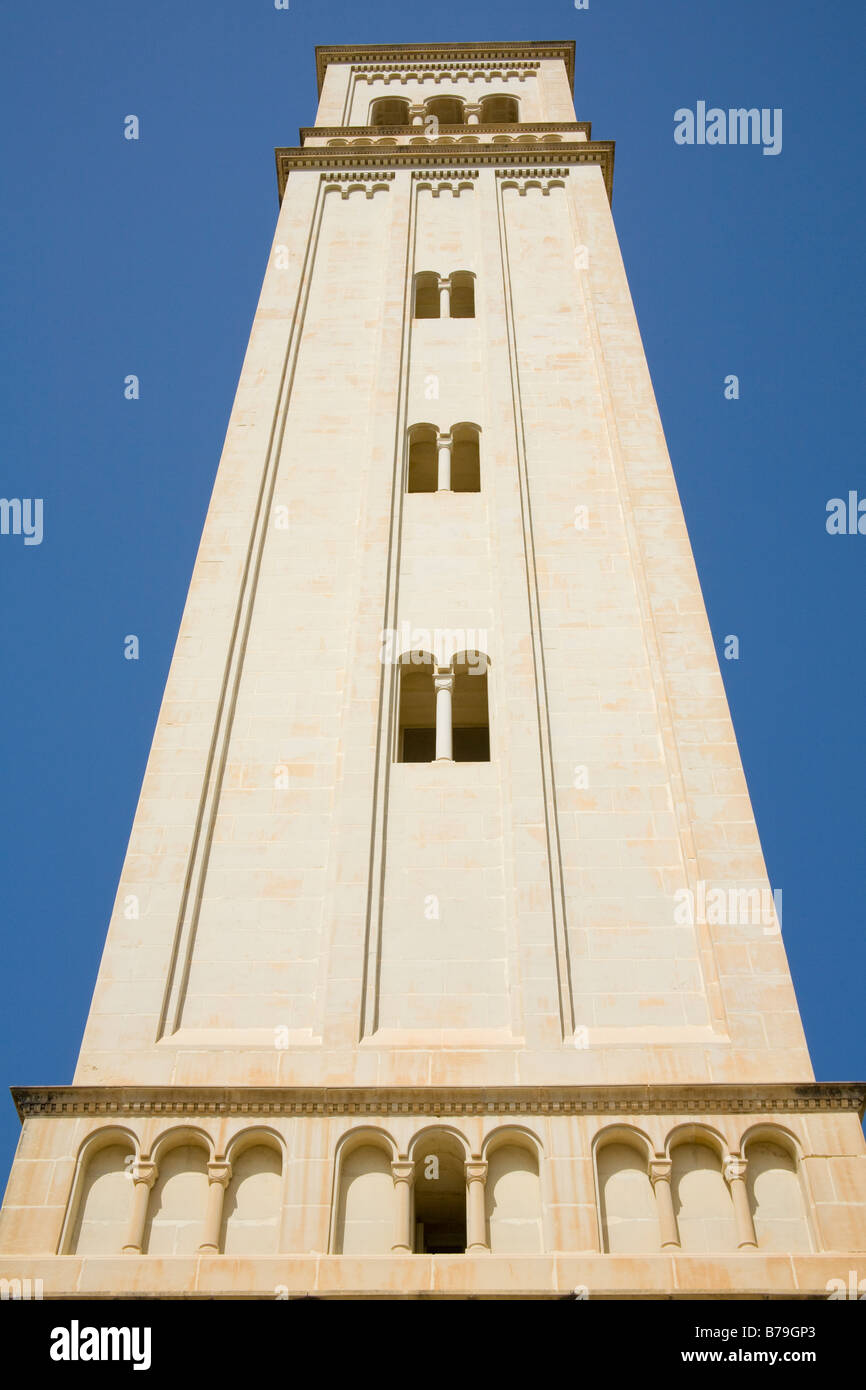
(443, 958)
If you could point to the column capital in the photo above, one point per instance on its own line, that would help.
(403, 1170)
(659, 1170)
(143, 1171)
(220, 1173)
(735, 1169)
(444, 439)
(476, 1170)
(444, 282)
(443, 678)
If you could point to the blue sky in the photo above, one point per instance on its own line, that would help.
(147, 257)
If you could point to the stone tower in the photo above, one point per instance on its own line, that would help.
(444, 958)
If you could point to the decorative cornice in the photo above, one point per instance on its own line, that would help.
(347, 180)
(526, 157)
(544, 178)
(398, 54)
(472, 72)
(358, 132)
(117, 1101)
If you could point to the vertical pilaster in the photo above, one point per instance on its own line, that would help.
(476, 1221)
(143, 1178)
(219, 1175)
(403, 1173)
(660, 1177)
(444, 447)
(735, 1177)
(443, 682)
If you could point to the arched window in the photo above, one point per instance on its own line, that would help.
(465, 459)
(513, 1200)
(443, 709)
(444, 462)
(629, 1220)
(365, 1209)
(178, 1202)
(447, 110)
(702, 1200)
(105, 1201)
(440, 1196)
(499, 110)
(417, 726)
(422, 475)
(462, 294)
(427, 295)
(775, 1197)
(389, 111)
(471, 724)
(251, 1208)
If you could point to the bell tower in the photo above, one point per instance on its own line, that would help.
(444, 934)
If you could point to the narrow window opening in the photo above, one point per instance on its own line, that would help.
(465, 459)
(423, 459)
(463, 295)
(427, 295)
(417, 729)
(471, 736)
(440, 1198)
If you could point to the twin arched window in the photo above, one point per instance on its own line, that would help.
(444, 712)
(444, 462)
(444, 296)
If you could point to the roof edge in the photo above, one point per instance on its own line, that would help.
(418, 52)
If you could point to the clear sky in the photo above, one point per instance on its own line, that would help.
(147, 257)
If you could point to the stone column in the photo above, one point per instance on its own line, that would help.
(472, 113)
(443, 477)
(444, 298)
(443, 683)
(143, 1177)
(476, 1219)
(660, 1177)
(403, 1173)
(218, 1175)
(735, 1177)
